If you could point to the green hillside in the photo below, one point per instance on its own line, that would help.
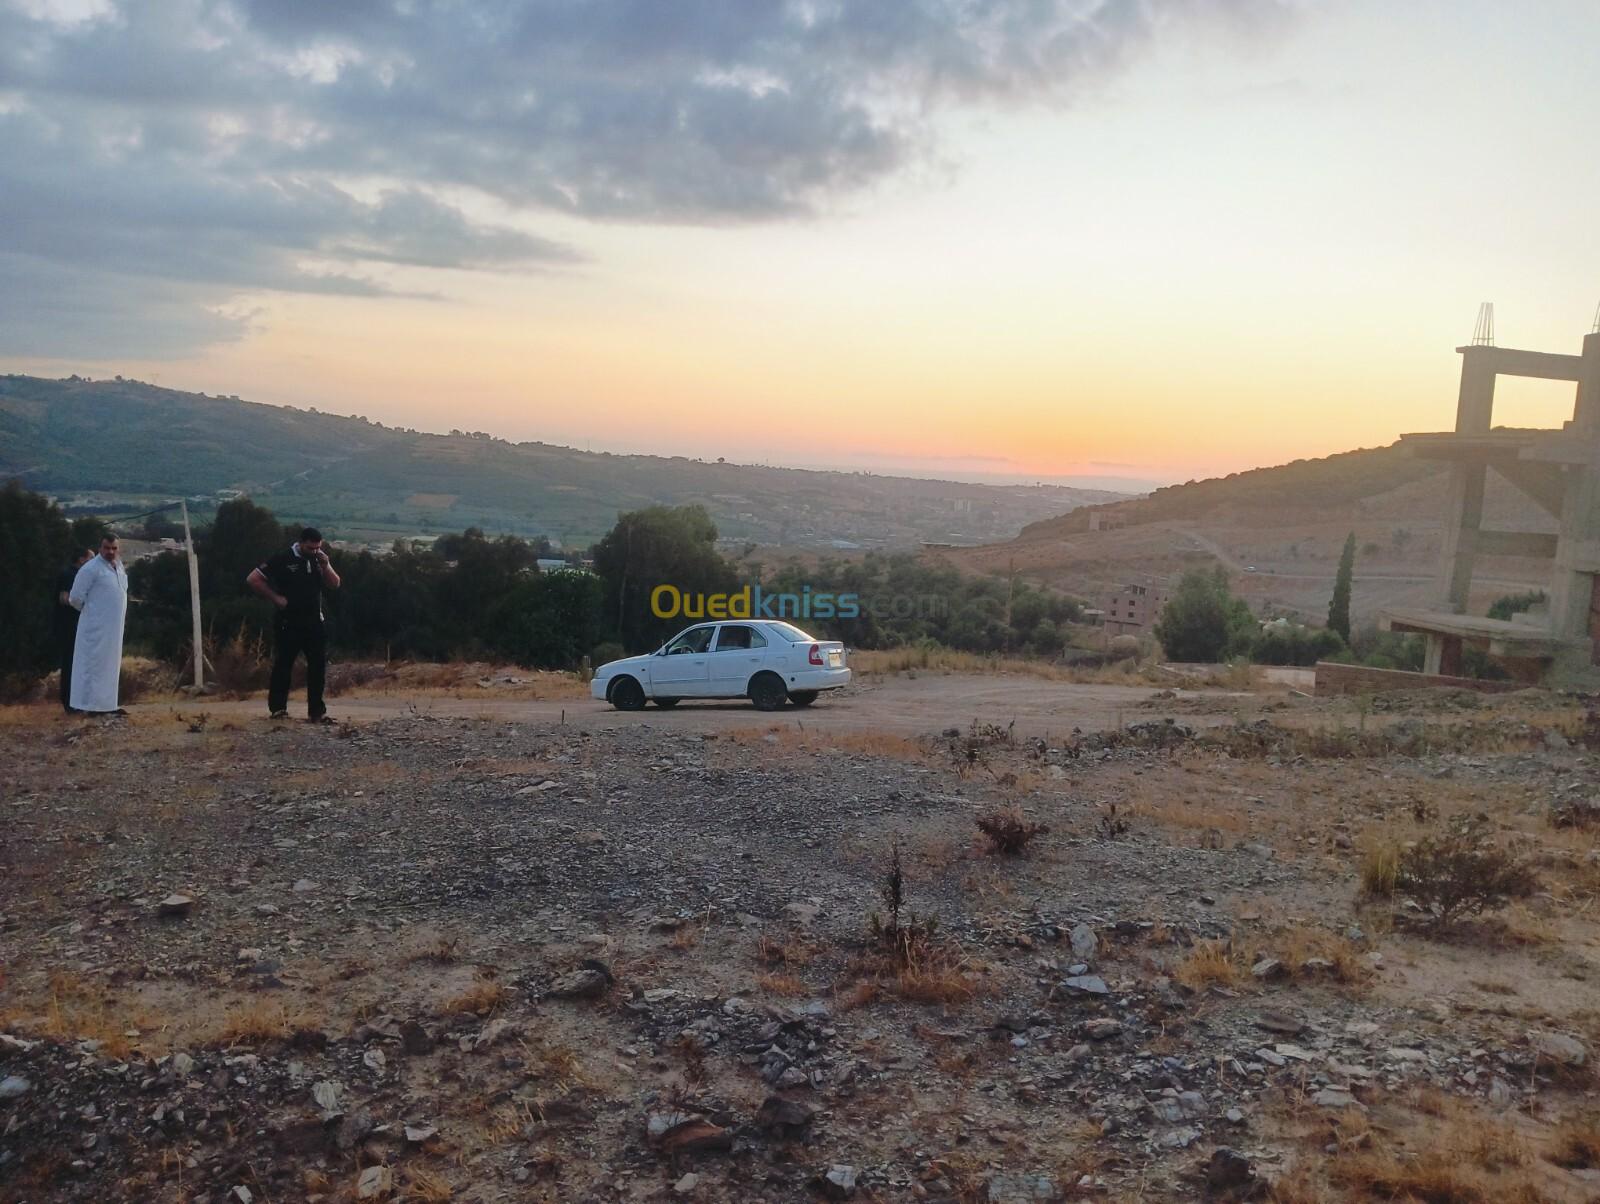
(75, 437)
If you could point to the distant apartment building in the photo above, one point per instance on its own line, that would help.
(1106, 520)
(1133, 609)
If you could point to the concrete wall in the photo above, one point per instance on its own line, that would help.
(1334, 679)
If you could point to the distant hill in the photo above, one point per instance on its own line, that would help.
(1279, 531)
(124, 438)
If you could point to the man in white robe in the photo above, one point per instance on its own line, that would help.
(100, 594)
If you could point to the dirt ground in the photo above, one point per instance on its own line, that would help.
(906, 704)
(455, 948)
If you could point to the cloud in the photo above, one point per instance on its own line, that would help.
(229, 146)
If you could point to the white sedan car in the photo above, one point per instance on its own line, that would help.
(765, 660)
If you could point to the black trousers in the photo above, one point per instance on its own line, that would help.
(293, 636)
(66, 641)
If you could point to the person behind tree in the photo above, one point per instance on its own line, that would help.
(293, 581)
(64, 624)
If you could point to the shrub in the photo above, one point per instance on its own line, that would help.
(1460, 872)
(1009, 832)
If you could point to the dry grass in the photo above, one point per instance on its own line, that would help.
(787, 985)
(1380, 867)
(1297, 945)
(77, 1011)
(787, 952)
(254, 1022)
(435, 947)
(480, 999)
(1576, 1144)
(1212, 964)
(423, 1186)
(862, 992)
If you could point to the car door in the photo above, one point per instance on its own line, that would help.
(739, 652)
(682, 668)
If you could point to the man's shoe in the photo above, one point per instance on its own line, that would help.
(323, 718)
(277, 714)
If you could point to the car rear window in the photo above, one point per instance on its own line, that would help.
(790, 632)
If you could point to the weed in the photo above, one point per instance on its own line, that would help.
(480, 999)
(1111, 825)
(1211, 963)
(1009, 831)
(1380, 869)
(1460, 872)
(783, 984)
(423, 1186)
(1577, 1144)
(254, 1022)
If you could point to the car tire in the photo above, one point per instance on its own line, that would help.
(768, 692)
(627, 694)
(802, 698)
(665, 703)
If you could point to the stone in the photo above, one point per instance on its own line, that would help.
(1227, 1170)
(353, 1129)
(1334, 1097)
(1280, 1022)
(804, 914)
(1086, 984)
(327, 1093)
(778, 1113)
(490, 1034)
(839, 1183)
(417, 1134)
(1084, 943)
(374, 1060)
(1101, 1028)
(676, 1133)
(13, 1086)
(240, 1195)
(686, 1185)
(375, 1183)
(1501, 1095)
(304, 886)
(1269, 969)
(587, 983)
(175, 906)
(182, 1064)
(1559, 1048)
(415, 1039)
(1271, 1057)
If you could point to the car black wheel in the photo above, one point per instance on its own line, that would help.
(768, 692)
(802, 698)
(668, 702)
(627, 695)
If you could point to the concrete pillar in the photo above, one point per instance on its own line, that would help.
(1586, 414)
(1475, 403)
(1459, 539)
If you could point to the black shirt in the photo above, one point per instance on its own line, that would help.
(299, 579)
(65, 617)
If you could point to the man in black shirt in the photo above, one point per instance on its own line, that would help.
(293, 581)
(64, 625)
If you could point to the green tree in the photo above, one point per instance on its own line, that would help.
(1339, 607)
(1203, 621)
(36, 543)
(660, 545)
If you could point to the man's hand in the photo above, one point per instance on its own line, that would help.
(280, 601)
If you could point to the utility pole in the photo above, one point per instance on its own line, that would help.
(194, 599)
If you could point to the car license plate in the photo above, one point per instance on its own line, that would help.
(835, 659)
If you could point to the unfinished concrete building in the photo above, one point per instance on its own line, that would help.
(1558, 643)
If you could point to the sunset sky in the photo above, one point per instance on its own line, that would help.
(1150, 240)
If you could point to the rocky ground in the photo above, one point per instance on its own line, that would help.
(479, 960)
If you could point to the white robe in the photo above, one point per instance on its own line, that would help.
(100, 592)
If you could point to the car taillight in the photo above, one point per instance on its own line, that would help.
(816, 654)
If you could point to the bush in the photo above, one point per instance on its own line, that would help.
(605, 653)
(1460, 872)
(1009, 832)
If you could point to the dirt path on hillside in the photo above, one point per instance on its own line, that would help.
(907, 706)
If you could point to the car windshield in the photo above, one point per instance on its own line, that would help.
(696, 639)
(790, 632)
